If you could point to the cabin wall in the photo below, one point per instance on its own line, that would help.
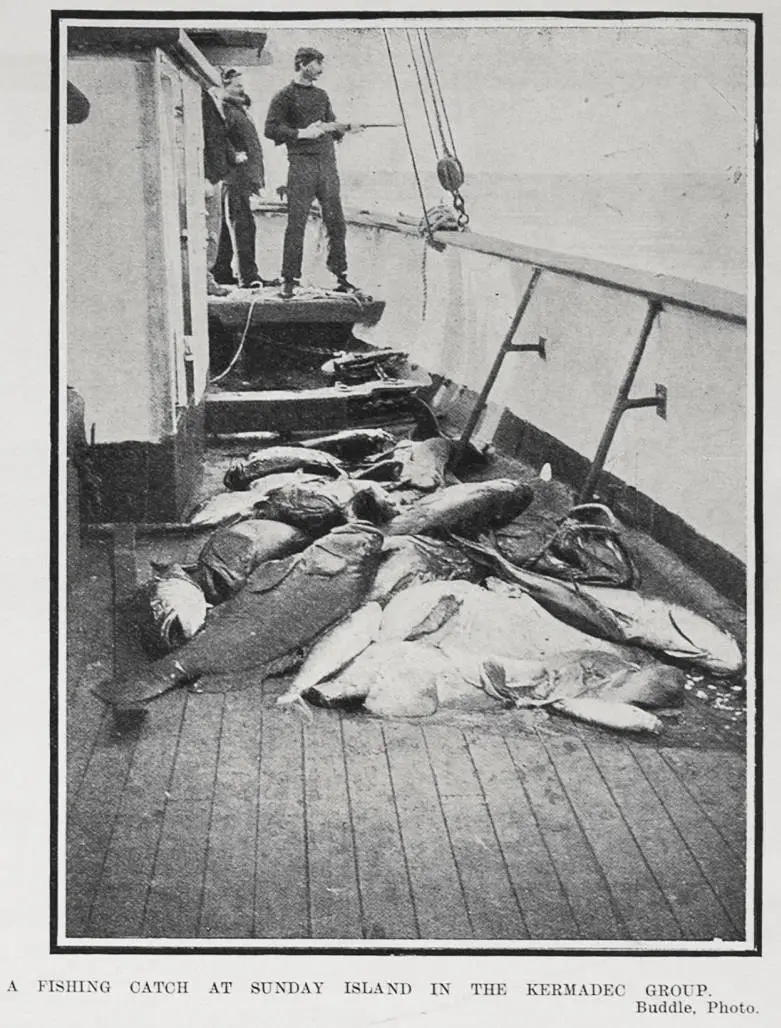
(110, 265)
(452, 310)
(136, 332)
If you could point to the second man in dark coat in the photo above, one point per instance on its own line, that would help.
(244, 181)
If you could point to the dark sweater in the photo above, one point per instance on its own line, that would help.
(243, 137)
(295, 107)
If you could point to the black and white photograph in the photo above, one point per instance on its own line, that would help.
(406, 568)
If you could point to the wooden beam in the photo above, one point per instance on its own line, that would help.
(233, 310)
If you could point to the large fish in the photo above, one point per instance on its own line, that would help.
(569, 604)
(668, 628)
(634, 677)
(335, 649)
(585, 546)
(409, 678)
(623, 717)
(230, 556)
(412, 559)
(319, 505)
(589, 689)
(171, 609)
(222, 509)
(353, 444)
(284, 605)
(423, 463)
(274, 459)
(226, 508)
(399, 676)
(469, 507)
(481, 621)
(624, 616)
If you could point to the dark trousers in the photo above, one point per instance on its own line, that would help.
(237, 236)
(310, 177)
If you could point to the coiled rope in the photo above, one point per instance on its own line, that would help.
(240, 349)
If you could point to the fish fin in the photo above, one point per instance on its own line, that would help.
(686, 656)
(442, 611)
(270, 574)
(297, 703)
(493, 679)
(680, 632)
(328, 564)
(126, 693)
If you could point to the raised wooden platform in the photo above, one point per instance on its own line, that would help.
(269, 308)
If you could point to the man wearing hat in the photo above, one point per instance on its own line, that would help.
(300, 115)
(244, 180)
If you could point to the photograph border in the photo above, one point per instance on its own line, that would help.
(755, 631)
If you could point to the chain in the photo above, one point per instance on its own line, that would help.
(460, 205)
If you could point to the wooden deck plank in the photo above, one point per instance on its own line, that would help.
(94, 811)
(637, 895)
(717, 781)
(718, 863)
(281, 908)
(120, 902)
(542, 899)
(334, 899)
(89, 659)
(694, 903)
(436, 888)
(176, 891)
(491, 901)
(578, 871)
(386, 897)
(229, 888)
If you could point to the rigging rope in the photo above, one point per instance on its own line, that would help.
(406, 133)
(422, 94)
(441, 94)
(450, 170)
(434, 97)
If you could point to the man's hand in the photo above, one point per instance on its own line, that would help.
(313, 131)
(355, 127)
(342, 126)
(241, 157)
(208, 189)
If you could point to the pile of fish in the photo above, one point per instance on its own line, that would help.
(406, 591)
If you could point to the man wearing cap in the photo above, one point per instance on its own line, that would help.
(244, 180)
(300, 115)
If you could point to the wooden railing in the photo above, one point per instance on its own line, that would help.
(664, 289)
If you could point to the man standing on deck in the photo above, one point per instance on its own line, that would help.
(300, 115)
(245, 180)
(219, 158)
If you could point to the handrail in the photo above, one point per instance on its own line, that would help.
(666, 289)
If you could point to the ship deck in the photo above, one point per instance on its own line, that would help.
(220, 816)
